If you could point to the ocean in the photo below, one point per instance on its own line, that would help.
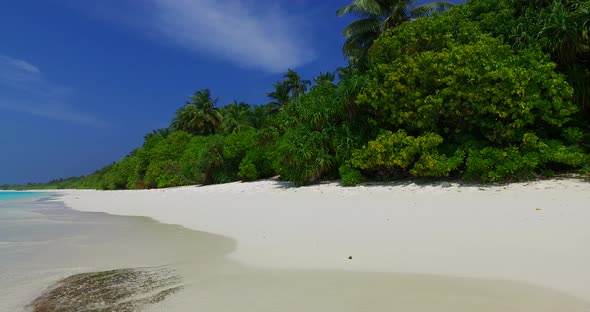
(4, 196)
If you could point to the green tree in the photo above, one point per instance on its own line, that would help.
(317, 139)
(482, 89)
(163, 158)
(293, 86)
(237, 117)
(203, 161)
(259, 116)
(559, 27)
(483, 109)
(377, 16)
(199, 116)
(280, 96)
(327, 77)
(297, 86)
(562, 27)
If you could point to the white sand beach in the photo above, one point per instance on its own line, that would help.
(535, 233)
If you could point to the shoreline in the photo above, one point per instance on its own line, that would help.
(532, 232)
(45, 245)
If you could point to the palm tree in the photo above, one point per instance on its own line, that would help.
(162, 132)
(280, 96)
(297, 86)
(199, 116)
(237, 117)
(345, 72)
(377, 16)
(293, 86)
(259, 115)
(327, 77)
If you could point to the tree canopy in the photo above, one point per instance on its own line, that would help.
(199, 115)
(376, 17)
(488, 90)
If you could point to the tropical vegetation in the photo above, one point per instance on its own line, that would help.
(376, 17)
(488, 90)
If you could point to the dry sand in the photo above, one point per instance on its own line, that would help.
(525, 242)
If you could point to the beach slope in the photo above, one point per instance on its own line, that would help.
(535, 233)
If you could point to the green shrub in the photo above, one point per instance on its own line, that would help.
(316, 110)
(425, 34)
(162, 158)
(318, 136)
(245, 155)
(255, 165)
(530, 159)
(236, 145)
(494, 164)
(468, 105)
(350, 176)
(248, 171)
(301, 156)
(573, 135)
(202, 161)
(398, 154)
(483, 89)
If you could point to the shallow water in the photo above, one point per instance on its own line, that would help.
(43, 242)
(9, 195)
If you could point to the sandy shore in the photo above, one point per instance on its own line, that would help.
(536, 233)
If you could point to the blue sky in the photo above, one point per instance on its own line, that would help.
(81, 82)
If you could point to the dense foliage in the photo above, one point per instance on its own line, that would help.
(490, 90)
(560, 28)
(378, 16)
(476, 107)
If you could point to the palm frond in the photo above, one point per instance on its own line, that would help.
(430, 8)
(367, 25)
(362, 8)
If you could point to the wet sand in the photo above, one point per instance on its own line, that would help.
(210, 281)
(42, 243)
(281, 290)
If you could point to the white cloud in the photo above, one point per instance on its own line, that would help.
(18, 64)
(249, 33)
(24, 89)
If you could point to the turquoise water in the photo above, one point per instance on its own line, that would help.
(19, 195)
